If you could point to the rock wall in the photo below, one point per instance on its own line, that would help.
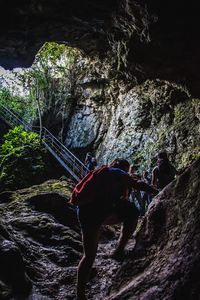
(40, 246)
(39, 242)
(169, 264)
(117, 117)
(125, 40)
(93, 106)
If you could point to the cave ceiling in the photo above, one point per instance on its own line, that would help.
(170, 50)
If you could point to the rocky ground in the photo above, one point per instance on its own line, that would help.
(169, 266)
(40, 246)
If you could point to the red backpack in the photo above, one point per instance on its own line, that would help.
(90, 187)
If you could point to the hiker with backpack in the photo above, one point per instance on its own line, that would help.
(102, 198)
(164, 172)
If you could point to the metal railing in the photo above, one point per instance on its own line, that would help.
(65, 157)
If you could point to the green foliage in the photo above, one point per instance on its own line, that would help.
(49, 78)
(13, 102)
(18, 104)
(17, 138)
(7, 99)
(52, 61)
(189, 157)
(52, 52)
(21, 159)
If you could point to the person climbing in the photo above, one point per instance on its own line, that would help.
(164, 172)
(101, 198)
(146, 196)
(135, 195)
(90, 161)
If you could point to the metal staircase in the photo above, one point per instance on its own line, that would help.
(65, 157)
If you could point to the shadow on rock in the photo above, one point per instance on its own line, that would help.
(56, 205)
(12, 272)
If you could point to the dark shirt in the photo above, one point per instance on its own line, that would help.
(165, 174)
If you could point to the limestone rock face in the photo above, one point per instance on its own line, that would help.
(134, 121)
(169, 264)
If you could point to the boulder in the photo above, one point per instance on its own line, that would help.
(169, 263)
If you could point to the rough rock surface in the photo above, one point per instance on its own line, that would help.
(48, 242)
(170, 236)
(92, 108)
(83, 24)
(132, 120)
(159, 44)
(40, 246)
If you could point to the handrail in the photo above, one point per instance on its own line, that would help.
(4, 110)
(59, 142)
(64, 156)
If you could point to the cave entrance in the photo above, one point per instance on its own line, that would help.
(42, 93)
(41, 99)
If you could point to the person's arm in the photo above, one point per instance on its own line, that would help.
(142, 186)
(86, 159)
(154, 177)
(134, 176)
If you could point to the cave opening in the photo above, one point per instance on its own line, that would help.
(83, 99)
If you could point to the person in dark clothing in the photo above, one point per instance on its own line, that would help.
(135, 195)
(90, 161)
(109, 206)
(145, 177)
(164, 172)
(146, 196)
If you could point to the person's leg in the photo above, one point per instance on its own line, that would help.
(129, 214)
(90, 239)
(141, 203)
(127, 229)
(145, 200)
(149, 198)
